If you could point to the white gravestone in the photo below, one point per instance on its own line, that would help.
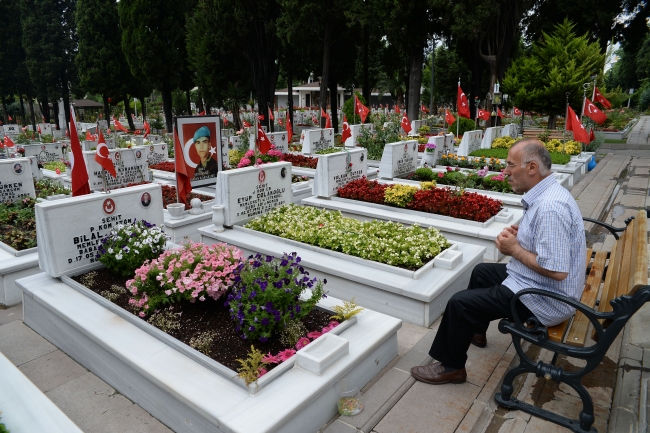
(511, 129)
(236, 141)
(398, 159)
(415, 125)
(249, 192)
(130, 165)
(471, 141)
(70, 230)
(431, 158)
(45, 152)
(280, 140)
(12, 129)
(102, 124)
(89, 145)
(155, 139)
(317, 140)
(227, 132)
(450, 141)
(16, 180)
(46, 128)
(37, 174)
(157, 153)
(338, 169)
(57, 133)
(490, 135)
(356, 130)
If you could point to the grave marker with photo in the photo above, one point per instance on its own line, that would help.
(16, 180)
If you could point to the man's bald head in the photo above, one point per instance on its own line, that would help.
(534, 150)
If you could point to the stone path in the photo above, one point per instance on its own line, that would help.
(640, 132)
(394, 402)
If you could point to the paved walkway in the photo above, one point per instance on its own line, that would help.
(640, 132)
(394, 402)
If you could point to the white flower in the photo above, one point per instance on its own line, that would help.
(118, 256)
(110, 251)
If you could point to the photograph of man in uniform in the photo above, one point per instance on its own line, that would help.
(208, 166)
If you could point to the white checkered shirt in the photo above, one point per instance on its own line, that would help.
(552, 228)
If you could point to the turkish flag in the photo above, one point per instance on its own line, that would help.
(423, 108)
(328, 119)
(592, 136)
(483, 114)
(260, 117)
(405, 124)
(24, 128)
(119, 126)
(202, 113)
(573, 124)
(147, 129)
(499, 113)
(347, 132)
(397, 109)
(79, 172)
(598, 97)
(183, 182)
(516, 111)
(246, 124)
(289, 129)
(462, 104)
(449, 118)
(88, 136)
(39, 129)
(360, 109)
(67, 132)
(271, 114)
(102, 156)
(593, 112)
(10, 119)
(225, 121)
(263, 143)
(8, 142)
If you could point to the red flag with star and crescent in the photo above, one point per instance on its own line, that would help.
(592, 136)
(102, 156)
(289, 129)
(328, 119)
(397, 110)
(147, 129)
(516, 111)
(347, 132)
(573, 124)
(405, 124)
(8, 142)
(449, 118)
(499, 113)
(593, 112)
(183, 180)
(119, 126)
(360, 109)
(78, 165)
(483, 114)
(263, 143)
(462, 103)
(598, 97)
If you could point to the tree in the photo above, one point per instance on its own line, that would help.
(11, 52)
(153, 41)
(448, 66)
(560, 63)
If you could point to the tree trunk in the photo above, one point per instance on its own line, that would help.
(107, 110)
(127, 109)
(4, 110)
(365, 86)
(431, 102)
(415, 80)
(143, 106)
(188, 102)
(334, 98)
(22, 110)
(66, 107)
(55, 109)
(327, 58)
(551, 121)
(167, 105)
(289, 97)
(45, 109)
(31, 111)
(199, 101)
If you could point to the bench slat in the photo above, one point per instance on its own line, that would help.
(613, 269)
(639, 276)
(624, 276)
(589, 252)
(580, 326)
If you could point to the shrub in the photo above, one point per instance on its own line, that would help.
(363, 189)
(465, 125)
(424, 173)
(348, 109)
(266, 295)
(127, 248)
(468, 205)
(189, 273)
(399, 195)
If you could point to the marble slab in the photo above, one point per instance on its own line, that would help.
(69, 230)
(249, 192)
(470, 142)
(490, 135)
(12, 129)
(16, 180)
(45, 152)
(279, 139)
(317, 139)
(157, 153)
(338, 169)
(130, 164)
(511, 129)
(355, 130)
(37, 174)
(398, 159)
(46, 128)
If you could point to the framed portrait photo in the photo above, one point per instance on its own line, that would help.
(200, 139)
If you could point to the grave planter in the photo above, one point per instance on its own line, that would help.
(417, 297)
(186, 390)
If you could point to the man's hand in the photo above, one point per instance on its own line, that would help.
(507, 242)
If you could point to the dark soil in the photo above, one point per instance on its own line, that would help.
(210, 315)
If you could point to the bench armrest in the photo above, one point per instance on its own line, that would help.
(613, 230)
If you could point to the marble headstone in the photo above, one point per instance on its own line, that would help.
(227, 132)
(70, 230)
(490, 135)
(37, 174)
(253, 191)
(45, 152)
(12, 129)
(46, 128)
(338, 169)
(130, 164)
(415, 125)
(16, 180)
(439, 141)
(317, 140)
(225, 158)
(471, 141)
(355, 130)
(511, 129)
(280, 140)
(398, 159)
(157, 153)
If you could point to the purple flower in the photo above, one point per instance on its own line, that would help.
(251, 328)
(253, 308)
(325, 281)
(269, 259)
(265, 321)
(278, 284)
(284, 262)
(289, 271)
(253, 294)
(264, 339)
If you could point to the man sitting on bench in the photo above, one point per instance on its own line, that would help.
(547, 252)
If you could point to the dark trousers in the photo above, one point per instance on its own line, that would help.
(470, 312)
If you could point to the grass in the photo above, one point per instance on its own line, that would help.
(556, 158)
(612, 140)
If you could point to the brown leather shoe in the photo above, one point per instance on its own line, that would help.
(435, 374)
(479, 340)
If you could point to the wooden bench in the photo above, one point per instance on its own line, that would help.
(616, 287)
(554, 134)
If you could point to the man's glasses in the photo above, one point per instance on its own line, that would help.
(511, 165)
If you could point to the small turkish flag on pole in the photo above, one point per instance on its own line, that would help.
(461, 102)
(78, 165)
(573, 124)
(592, 136)
(516, 111)
(89, 137)
(183, 181)
(102, 156)
(449, 118)
(328, 119)
(397, 109)
(499, 113)
(593, 112)
(405, 124)
(263, 143)
(360, 109)
(347, 132)
(8, 142)
(483, 114)
(147, 129)
(598, 97)
(289, 129)
(271, 114)
(39, 129)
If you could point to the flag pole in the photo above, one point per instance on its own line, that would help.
(458, 113)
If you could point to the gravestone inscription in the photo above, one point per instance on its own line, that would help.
(338, 169)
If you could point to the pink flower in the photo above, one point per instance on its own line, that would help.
(249, 154)
(441, 174)
(450, 169)
(244, 162)
(262, 371)
(270, 359)
(168, 292)
(141, 314)
(302, 342)
(333, 324)
(259, 161)
(286, 354)
(314, 334)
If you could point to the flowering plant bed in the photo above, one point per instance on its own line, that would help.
(164, 166)
(408, 247)
(492, 162)
(253, 157)
(455, 204)
(300, 160)
(473, 180)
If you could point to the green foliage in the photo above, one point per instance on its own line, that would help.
(425, 174)
(376, 141)
(502, 154)
(465, 125)
(346, 311)
(348, 110)
(18, 224)
(47, 187)
(329, 150)
(292, 332)
(53, 165)
(560, 63)
(251, 366)
(203, 341)
(3, 427)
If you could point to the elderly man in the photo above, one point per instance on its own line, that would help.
(547, 251)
